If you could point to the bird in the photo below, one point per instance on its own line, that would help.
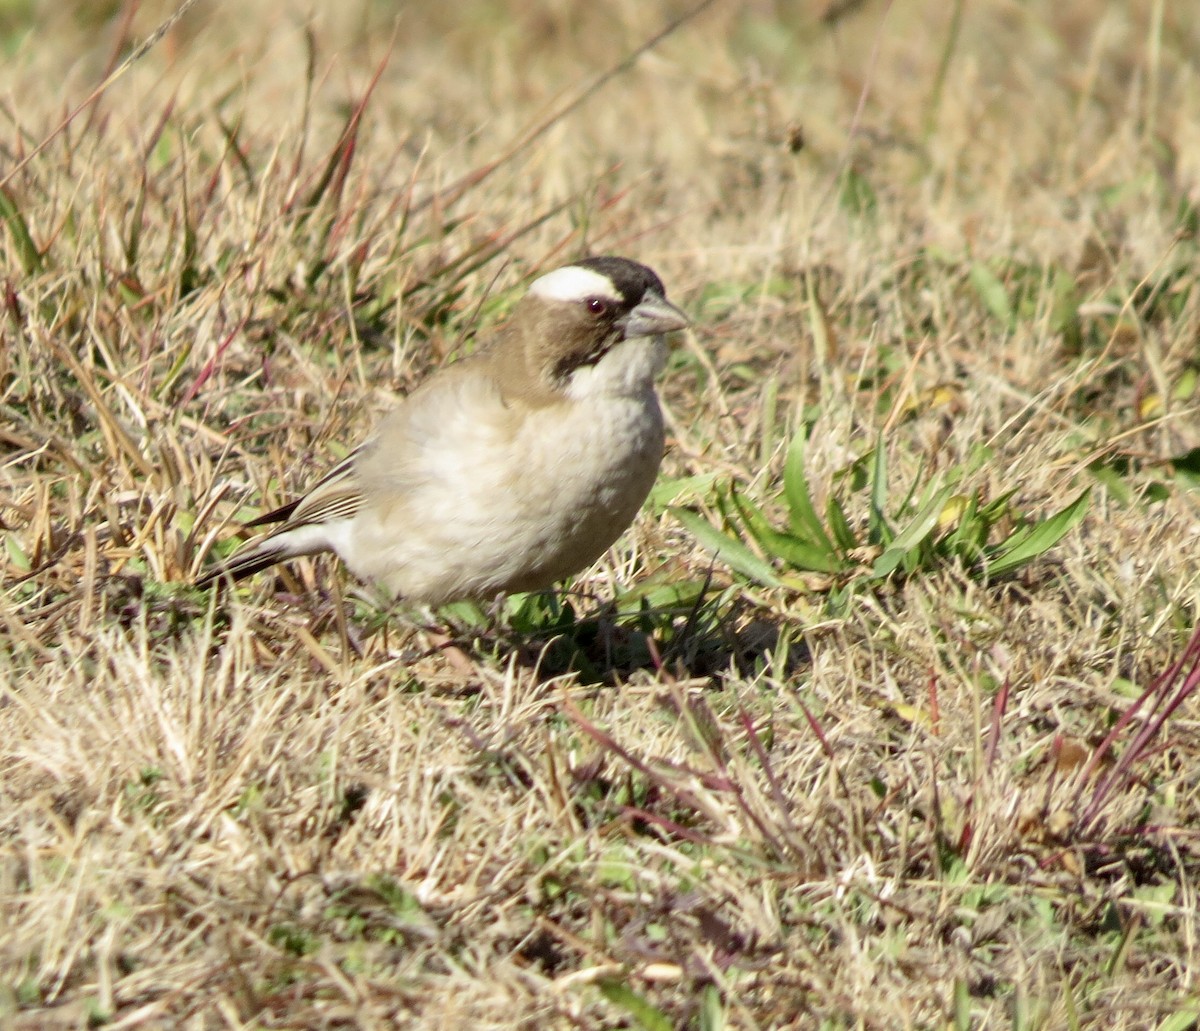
(506, 471)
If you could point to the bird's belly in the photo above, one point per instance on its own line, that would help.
(517, 514)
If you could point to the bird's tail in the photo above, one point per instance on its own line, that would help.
(246, 562)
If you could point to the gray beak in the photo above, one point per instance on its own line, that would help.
(652, 316)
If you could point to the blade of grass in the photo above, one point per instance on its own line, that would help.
(840, 526)
(878, 530)
(803, 515)
(921, 526)
(1167, 697)
(1029, 543)
(728, 549)
(643, 1014)
(27, 251)
(795, 552)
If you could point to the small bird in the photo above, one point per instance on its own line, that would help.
(508, 470)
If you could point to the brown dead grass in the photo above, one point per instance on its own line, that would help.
(289, 809)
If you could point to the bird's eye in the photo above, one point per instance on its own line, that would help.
(596, 306)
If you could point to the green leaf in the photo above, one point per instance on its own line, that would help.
(1185, 386)
(962, 1005)
(16, 553)
(886, 564)
(801, 513)
(1113, 475)
(907, 500)
(728, 549)
(912, 535)
(992, 292)
(1181, 1020)
(997, 507)
(659, 593)
(1030, 542)
(712, 1013)
(643, 1013)
(878, 530)
(666, 492)
(27, 252)
(840, 525)
(970, 535)
(856, 195)
(795, 552)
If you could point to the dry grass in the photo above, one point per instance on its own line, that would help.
(677, 800)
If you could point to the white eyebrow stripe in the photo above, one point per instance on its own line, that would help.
(573, 283)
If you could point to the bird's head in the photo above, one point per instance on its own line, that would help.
(577, 318)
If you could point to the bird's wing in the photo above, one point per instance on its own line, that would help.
(337, 495)
(440, 434)
(327, 499)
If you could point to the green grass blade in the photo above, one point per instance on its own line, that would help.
(907, 500)
(911, 537)
(993, 293)
(970, 534)
(839, 525)
(712, 1012)
(644, 1014)
(1181, 1019)
(995, 509)
(1030, 542)
(878, 529)
(16, 554)
(27, 252)
(801, 513)
(189, 275)
(133, 239)
(856, 195)
(728, 549)
(797, 553)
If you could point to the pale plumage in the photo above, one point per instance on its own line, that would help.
(509, 470)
